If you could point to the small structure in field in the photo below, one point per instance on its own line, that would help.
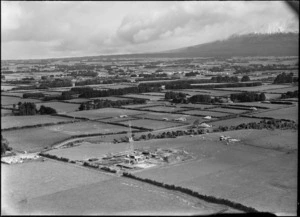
(207, 117)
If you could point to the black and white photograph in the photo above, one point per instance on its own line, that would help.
(149, 108)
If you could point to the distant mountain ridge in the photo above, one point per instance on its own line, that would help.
(275, 44)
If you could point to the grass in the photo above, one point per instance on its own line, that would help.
(21, 121)
(78, 100)
(34, 139)
(88, 127)
(257, 88)
(112, 98)
(228, 110)
(152, 124)
(226, 171)
(234, 121)
(144, 96)
(290, 113)
(7, 100)
(206, 113)
(103, 113)
(164, 109)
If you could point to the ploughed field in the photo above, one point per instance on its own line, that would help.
(52, 187)
(21, 121)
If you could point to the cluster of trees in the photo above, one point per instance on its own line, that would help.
(54, 157)
(178, 97)
(225, 79)
(290, 94)
(210, 199)
(84, 74)
(190, 74)
(98, 103)
(264, 124)
(248, 97)
(164, 135)
(29, 108)
(245, 78)
(55, 83)
(33, 95)
(285, 78)
(4, 145)
(153, 75)
(89, 92)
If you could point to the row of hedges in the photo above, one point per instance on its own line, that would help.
(106, 169)
(207, 198)
(126, 125)
(39, 125)
(164, 135)
(264, 124)
(54, 157)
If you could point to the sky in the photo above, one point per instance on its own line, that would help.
(45, 29)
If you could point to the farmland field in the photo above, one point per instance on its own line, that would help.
(104, 113)
(270, 96)
(283, 90)
(7, 100)
(228, 110)
(5, 112)
(206, 113)
(171, 117)
(6, 87)
(112, 98)
(164, 109)
(23, 139)
(265, 105)
(154, 94)
(290, 113)
(143, 96)
(60, 107)
(144, 105)
(11, 93)
(86, 127)
(152, 124)
(91, 192)
(78, 100)
(227, 171)
(20, 121)
(196, 106)
(257, 88)
(234, 121)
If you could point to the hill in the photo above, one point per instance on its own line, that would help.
(277, 44)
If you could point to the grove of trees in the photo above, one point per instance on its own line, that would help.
(248, 97)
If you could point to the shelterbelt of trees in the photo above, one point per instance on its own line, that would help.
(290, 94)
(98, 103)
(29, 108)
(285, 78)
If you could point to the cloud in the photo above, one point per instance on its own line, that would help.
(91, 28)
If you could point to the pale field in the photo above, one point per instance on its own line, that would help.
(6, 87)
(171, 117)
(104, 113)
(164, 109)
(290, 113)
(155, 94)
(228, 110)
(283, 90)
(260, 171)
(78, 100)
(257, 88)
(144, 96)
(206, 113)
(112, 98)
(11, 93)
(52, 187)
(6, 112)
(21, 121)
(253, 104)
(196, 106)
(60, 107)
(33, 139)
(87, 127)
(137, 106)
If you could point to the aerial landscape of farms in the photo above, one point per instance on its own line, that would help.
(206, 140)
(149, 108)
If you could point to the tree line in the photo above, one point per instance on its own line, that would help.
(285, 78)
(99, 103)
(247, 97)
(290, 94)
(29, 108)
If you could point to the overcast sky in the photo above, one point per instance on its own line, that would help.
(63, 29)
